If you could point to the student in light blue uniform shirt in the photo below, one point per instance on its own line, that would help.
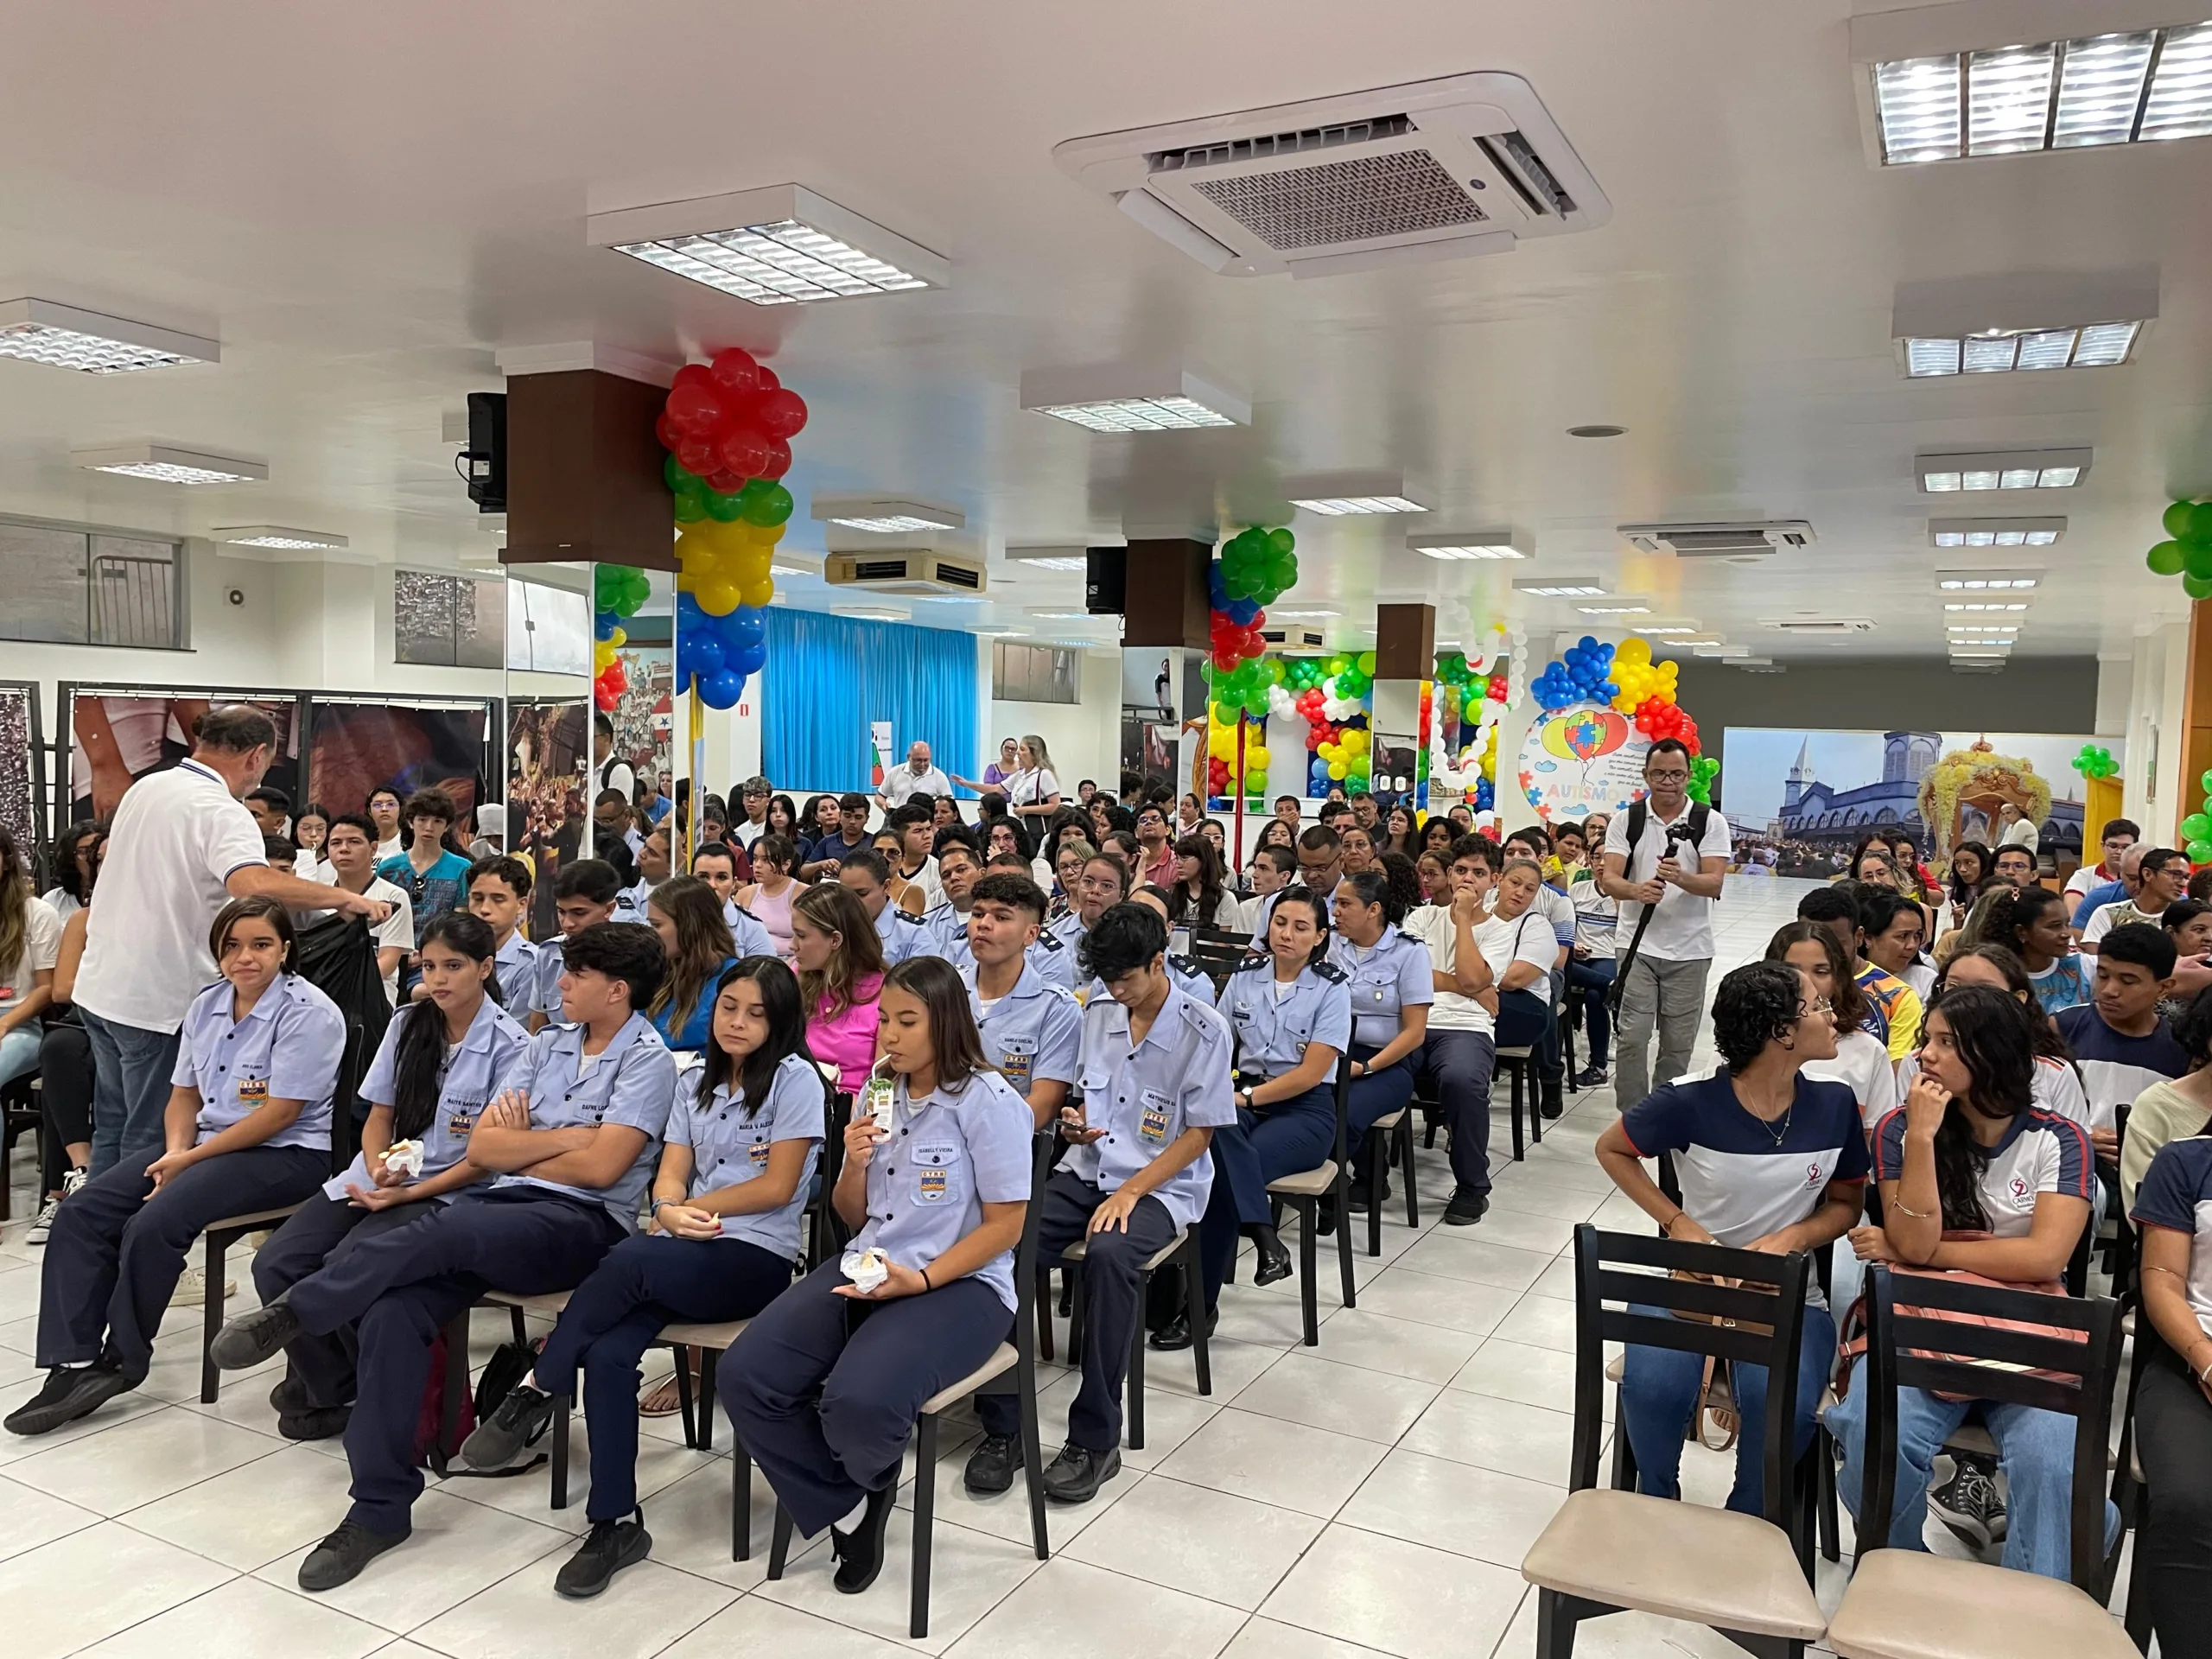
(1291, 1011)
(1155, 1073)
(822, 1388)
(247, 1128)
(1031, 1030)
(743, 1141)
(498, 896)
(904, 936)
(574, 1141)
(443, 1059)
(1393, 984)
(583, 896)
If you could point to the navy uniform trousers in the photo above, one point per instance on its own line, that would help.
(115, 1254)
(1283, 1138)
(823, 1390)
(1374, 1097)
(1112, 1273)
(321, 1367)
(401, 1287)
(614, 1317)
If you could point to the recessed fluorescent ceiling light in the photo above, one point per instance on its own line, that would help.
(2099, 345)
(166, 466)
(61, 336)
(275, 536)
(1050, 615)
(1478, 544)
(1662, 630)
(1720, 648)
(1049, 558)
(1614, 610)
(783, 245)
(1995, 532)
(1987, 605)
(1559, 587)
(1343, 495)
(886, 515)
(2137, 87)
(1979, 581)
(2002, 469)
(1132, 398)
(791, 570)
(1314, 614)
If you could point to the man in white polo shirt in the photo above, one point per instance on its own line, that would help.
(1669, 854)
(181, 846)
(917, 777)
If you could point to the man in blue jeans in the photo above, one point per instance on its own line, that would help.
(181, 846)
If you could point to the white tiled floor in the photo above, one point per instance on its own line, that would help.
(1375, 1494)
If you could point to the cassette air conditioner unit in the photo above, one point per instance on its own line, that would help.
(924, 573)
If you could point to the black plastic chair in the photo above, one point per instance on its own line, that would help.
(1896, 1605)
(1607, 1551)
(1391, 1140)
(1303, 1191)
(1182, 1254)
(1219, 951)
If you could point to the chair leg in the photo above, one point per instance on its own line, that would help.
(1044, 1312)
(740, 1503)
(1132, 1383)
(1555, 1624)
(1194, 1311)
(709, 1360)
(1536, 1103)
(1379, 1164)
(210, 1323)
(683, 1397)
(1513, 1069)
(1824, 1475)
(1308, 1219)
(1404, 1149)
(520, 1327)
(1033, 1458)
(562, 1410)
(1343, 1243)
(779, 1541)
(918, 1623)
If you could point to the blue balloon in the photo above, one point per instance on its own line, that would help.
(688, 613)
(740, 627)
(604, 624)
(1242, 611)
(721, 690)
(748, 660)
(1588, 642)
(702, 657)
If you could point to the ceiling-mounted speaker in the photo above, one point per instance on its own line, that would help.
(1105, 580)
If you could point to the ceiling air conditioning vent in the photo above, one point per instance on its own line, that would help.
(922, 573)
(1754, 540)
(1805, 626)
(1434, 170)
(1296, 638)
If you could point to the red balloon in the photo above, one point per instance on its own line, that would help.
(734, 370)
(768, 381)
(779, 462)
(691, 374)
(698, 456)
(1223, 661)
(667, 431)
(782, 412)
(724, 483)
(744, 451)
(695, 408)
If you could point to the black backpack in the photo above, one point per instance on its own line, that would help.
(1639, 814)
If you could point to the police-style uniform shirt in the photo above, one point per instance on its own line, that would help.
(2040, 1154)
(287, 1047)
(629, 903)
(517, 965)
(747, 930)
(552, 962)
(1385, 978)
(1739, 1182)
(948, 930)
(942, 1159)
(1032, 1033)
(1273, 1030)
(1145, 1095)
(1190, 979)
(630, 1082)
(2177, 1194)
(730, 1138)
(1052, 961)
(904, 935)
(482, 1065)
(1069, 930)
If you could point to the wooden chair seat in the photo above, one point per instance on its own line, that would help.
(1909, 1605)
(1000, 1362)
(717, 1337)
(1159, 1259)
(247, 1221)
(550, 1302)
(1309, 1183)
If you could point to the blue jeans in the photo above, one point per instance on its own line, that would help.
(2035, 1449)
(19, 1050)
(1589, 980)
(1659, 1391)
(131, 1089)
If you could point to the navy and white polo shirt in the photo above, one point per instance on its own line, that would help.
(2116, 1067)
(1740, 1181)
(2040, 1152)
(2177, 1194)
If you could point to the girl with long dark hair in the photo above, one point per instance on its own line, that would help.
(1970, 879)
(729, 1200)
(1975, 1178)
(443, 1058)
(687, 913)
(1198, 896)
(824, 1386)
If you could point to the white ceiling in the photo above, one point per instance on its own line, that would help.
(366, 203)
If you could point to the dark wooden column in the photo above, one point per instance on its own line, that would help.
(584, 478)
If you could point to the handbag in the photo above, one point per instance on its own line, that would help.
(1855, 1341)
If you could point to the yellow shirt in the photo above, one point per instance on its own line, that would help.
(1896, 1010)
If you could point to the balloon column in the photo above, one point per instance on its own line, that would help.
(2187, 552)
(728, 426)
(2196, 828)
(617, 591)
(1256, 566)
(2096, 762)
(1581, 676)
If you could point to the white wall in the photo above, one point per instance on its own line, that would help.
(1084, 737)
(2156, 795)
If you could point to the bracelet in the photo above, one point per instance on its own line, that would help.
(1905, 1209)
(925, 1279)
(1667, 1226)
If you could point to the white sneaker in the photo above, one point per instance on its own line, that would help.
(44, 1224)
(192, 1288)
(73, 1179)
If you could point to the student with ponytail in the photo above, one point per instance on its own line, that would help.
(2030, 922)
(443, 1057)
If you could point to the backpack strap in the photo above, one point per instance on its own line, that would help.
(1638, 816)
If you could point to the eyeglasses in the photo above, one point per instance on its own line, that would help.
(1668, 777)
(1818, 1005)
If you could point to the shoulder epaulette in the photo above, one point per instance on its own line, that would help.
(1051, 941)
(1329, 970)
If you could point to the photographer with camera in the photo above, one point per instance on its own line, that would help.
(1665, 860)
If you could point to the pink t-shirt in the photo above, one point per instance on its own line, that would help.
(847, 1040)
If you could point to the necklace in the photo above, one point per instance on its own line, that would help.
(1767, 1124)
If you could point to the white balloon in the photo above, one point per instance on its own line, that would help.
(1279, 701)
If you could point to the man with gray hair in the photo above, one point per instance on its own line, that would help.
(917, 777)
(183, 846)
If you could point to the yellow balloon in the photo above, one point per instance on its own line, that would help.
(757, 592)
(1256, 760)
(620, 637)
(1221, 743)
(1634, 651)
(724, 538)
(718, 596)
(695, 546)
(760, 535)
(749, 563)
(602, 656)
(686, 581)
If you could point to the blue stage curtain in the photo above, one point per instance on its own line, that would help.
(828, 677)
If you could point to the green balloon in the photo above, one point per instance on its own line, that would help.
(725, 509)
(690, 505)
(1283, 542)
(2166, 559)
(2197, 559)
(2197, 827)
(771, 506)
(2200, 852)
(2200, 522)
(2196, 587)
(677, 475)
(2204, 783)
(2177, 518)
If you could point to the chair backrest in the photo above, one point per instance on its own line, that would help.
(1044, 1153)
(1344, 1114)
(830, 1233)
(1910, 1344)
(1218, 951)
(1770, 1291)
(345, 1128)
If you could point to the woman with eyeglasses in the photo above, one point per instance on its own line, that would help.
(1769, 1158)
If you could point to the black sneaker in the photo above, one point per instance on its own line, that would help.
(525, 1414)
(289, 1395)
(1077, 1474)
(70, 1392)
(1176, 1334)
(315, 1422)
(1467, 1207)
(859, 1552)
(608, 1547)
(991, 1466)
(1968, 1504)
(1356, 1200)
(249, 1339)
(339, 1558)
(1595, 1078)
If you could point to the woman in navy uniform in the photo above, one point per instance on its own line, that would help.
(728, 1203)
(1291, 1011)
(442, 1060)
(247, 1128)
(1393, 984)
(823, 1388)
